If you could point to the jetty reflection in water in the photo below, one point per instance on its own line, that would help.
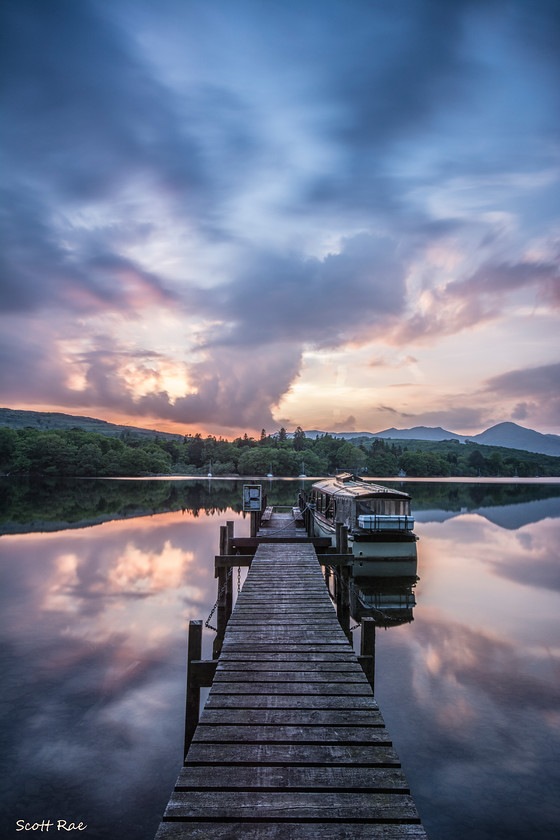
(93, 623)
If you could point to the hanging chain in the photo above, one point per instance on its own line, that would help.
(218, 599)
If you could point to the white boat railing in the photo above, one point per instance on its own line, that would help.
(379, 522)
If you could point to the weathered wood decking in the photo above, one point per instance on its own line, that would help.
(291, 743)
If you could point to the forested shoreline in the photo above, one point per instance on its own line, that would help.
(75, 452)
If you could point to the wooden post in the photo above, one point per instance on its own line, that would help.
(367, 650)
(221, 611)
(343, 539)
(229, 579)
(254, 522)
(344, 600)
(310, 520)
(223, 539)
(192, 706)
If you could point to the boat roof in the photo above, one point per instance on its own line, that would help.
(348, 484)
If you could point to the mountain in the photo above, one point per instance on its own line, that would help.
(50, 420)
(420, 433)
(518, 437)
(313, 433)
(508, 435)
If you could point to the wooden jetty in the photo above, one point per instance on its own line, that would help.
(291, 743)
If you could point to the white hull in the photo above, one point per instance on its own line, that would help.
(387, 554)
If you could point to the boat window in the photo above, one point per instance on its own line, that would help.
(369, 506)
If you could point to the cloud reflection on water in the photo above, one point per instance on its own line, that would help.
(94, 622)
(479, 668)
(94, 627)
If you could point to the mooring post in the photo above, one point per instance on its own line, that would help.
(229, 578)
(367, 650)
(343, 599)
(254, 523)
(310, 519)
(221, 611)
(192, 705)
(343, 539)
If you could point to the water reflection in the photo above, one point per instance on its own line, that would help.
(480, 673)
(93, 623)
(93, 627)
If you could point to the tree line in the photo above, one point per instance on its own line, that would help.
(76, 452)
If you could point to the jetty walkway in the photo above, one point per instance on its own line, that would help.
(291, 743)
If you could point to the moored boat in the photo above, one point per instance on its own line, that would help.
(380, 526)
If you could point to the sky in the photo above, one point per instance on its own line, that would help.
(229, 215)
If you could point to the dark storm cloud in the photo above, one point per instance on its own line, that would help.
(348, 296)
(85, 114)
(39, 269)
(495, 280)
(481, 297)
(542, 381)
(537, 388)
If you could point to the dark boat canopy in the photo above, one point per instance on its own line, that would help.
(348, 484)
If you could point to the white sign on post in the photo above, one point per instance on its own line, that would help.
(252, 497)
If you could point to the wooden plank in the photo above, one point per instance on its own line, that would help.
(303, 754)
(315, 689)
(295, 734)
(289, 620)
(291, 717)
(288, 831)
(290, 701)
(286, 635)
(255, 777)
(330, 677)
(290, 805)
(319, 667)
(238, 647)
(327, 657)
(256, 542)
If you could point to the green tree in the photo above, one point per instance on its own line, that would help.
(299, 439)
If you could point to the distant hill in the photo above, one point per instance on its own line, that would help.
(420, 433)
(517, 437)
(50, 420)
(509, 435)
(313, 433)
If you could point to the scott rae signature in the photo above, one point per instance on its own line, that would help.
(46, 825)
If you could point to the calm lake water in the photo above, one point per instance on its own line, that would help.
(94, 611)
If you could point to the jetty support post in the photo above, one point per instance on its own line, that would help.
(341, 538)
(310, 519)
(343, 598)
(342, 580)
(192, 708)
(200, 672)
(225, 587)
(367, 650)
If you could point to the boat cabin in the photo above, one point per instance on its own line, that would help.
(356, 503)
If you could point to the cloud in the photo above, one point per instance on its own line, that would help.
(534, 381)
(348, 425)
(87, 117)
(279, 178)
(537, 388)
(481, 297)
(347, 296)
(46, 265)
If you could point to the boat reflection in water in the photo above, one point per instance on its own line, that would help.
(371, 602)
(389, 601)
